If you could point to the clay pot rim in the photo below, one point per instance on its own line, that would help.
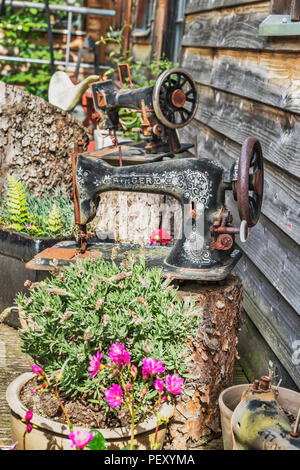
(228, 412)
(17, 407)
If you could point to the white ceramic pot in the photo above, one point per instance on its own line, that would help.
(51, 435)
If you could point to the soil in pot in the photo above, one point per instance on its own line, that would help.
(81, 411)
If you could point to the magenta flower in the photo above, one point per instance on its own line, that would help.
(160, 237)
(29, 427)
(80, 439)
(37, 370)
(95, 364)
(152, 367)
(114, 396)
(27, 419)
(28, 416)
(118, 354)
(174, 384)
(159, 385)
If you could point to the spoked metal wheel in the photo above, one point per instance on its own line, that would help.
(175, 98)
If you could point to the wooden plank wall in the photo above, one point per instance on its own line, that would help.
(250, 86)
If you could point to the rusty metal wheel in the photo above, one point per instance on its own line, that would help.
(250, 181)
(175, 98)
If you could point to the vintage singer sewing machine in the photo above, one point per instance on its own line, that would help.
(206, 250)
(169, 105)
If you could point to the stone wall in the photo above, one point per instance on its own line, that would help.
(36, 140)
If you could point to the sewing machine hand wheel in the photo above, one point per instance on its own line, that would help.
(175, 98)
(249, 185)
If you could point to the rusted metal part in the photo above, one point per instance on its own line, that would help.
(78, 148)
(178, 98)
(125, 73)
(220, 226)
(259, 423)
(249, 205)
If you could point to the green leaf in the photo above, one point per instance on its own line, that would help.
(98, 442)
(128, 447)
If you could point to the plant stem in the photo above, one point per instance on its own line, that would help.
(132, 430)
(24, 435)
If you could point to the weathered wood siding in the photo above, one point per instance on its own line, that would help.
(250, 86)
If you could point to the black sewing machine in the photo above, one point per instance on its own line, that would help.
(206, 250)
(169, 105)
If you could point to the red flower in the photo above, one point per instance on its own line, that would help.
(160, 237)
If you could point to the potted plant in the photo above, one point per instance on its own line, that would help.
(288, 400)
(118, 335)
(28, 225)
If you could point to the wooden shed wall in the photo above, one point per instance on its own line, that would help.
(250, 86)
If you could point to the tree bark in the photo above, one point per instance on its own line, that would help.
(36, 140)
(214, 350)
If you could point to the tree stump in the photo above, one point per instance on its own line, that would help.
(214, 350)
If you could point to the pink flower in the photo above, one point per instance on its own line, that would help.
(160, 237)
(114, 396)
(174, 384)
(80, 439)
(37, 370)
(29, 427)
(152, 367)
(27, 419)
(118, 354)
(159, 385)
(95, 364)
(28, 416)
(163, 399)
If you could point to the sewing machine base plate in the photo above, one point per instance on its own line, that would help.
(64, 253)
(134, 153)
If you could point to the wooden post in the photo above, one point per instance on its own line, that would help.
(128, 21)
(214, 350)
(281, 7)
(159, 27)
(295, 11)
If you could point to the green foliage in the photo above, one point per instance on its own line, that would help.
(93, 303)
(54, 223)
(16, 204)
(22, 29)
(98, 442)
(45, 217)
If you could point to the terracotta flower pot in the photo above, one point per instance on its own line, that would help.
(51, 435)
(231, 397)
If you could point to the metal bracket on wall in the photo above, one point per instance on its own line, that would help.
(279, 25)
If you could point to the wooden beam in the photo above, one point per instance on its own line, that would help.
(295, 11)
(281, 7)
(160, 23)
(235, 28)
(195, 6)
(276, 321)
(128, 21)
(269, 78)
(237, 118)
